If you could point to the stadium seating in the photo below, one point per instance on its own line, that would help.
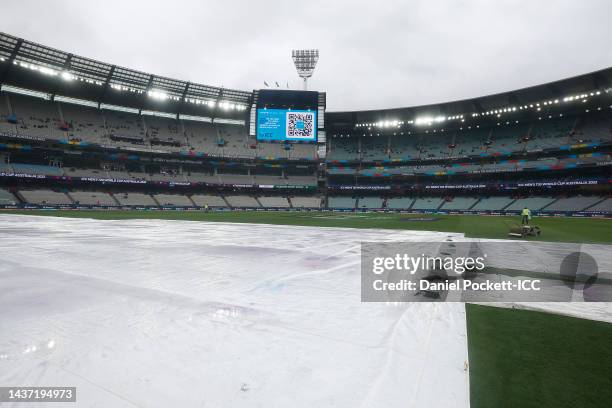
(305, 202)
(135, 199)
(203, 200)
(173, 200)
(5, 168)
(343, 148)
(550, 134)
(274, 202)
(403, 203)
(128, 126)
(511, 138)
(593, 129)
(202, 137)
(404, 148)
(572, 203)
(5, 112)
(242, 201)
(603, 206)
(36, 169)
(341, 202)
(36, 117)
(533, 203)
(374, 148)
(6, 198)
(78, 123)
(84, 124)
(236, 143)
(370, 202)
(73, 124)
(154, 141)
(44, 118)
(427, 203)
(92, 198)
(459, 203)
(45, 197)
(164, 132)
(303, 151)
(492, 204)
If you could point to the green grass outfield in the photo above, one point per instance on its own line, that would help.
(561, 229)
(521, 358)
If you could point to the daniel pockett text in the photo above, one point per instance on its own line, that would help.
(484, 271)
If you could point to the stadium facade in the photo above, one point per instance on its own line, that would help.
(79, 133)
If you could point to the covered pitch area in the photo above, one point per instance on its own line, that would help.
(158, 312)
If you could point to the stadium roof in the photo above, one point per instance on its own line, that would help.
(569, 89)
(60, 71)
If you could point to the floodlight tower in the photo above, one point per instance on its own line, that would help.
(305, 62)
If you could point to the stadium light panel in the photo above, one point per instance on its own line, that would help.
(229, 121)
(428, 120)
(75, 101)
(42, 69)
(195, 118)
(118, 108)
(155, 94)
(305, 62)
(22, 91)
(158, 114)
(67, 76)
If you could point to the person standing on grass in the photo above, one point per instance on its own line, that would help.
(526, 216)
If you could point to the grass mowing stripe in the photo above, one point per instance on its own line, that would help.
(522, 358)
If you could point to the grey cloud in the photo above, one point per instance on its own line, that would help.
(373, 54)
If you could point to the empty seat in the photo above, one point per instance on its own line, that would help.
(459, 203)
(341, 202)
(402, 203)
(6, 198)
(92, 198)
(203, 200)
(370, 202)
(242, 201)
(306, 202)
(45, 197)
(572, 203)
(492, 203)
(173, 200)
(533, 203)
(427, 203)
(274, 202)
(37, 169)
(135, 199)
(604, 206)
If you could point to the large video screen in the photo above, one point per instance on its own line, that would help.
(284, 124)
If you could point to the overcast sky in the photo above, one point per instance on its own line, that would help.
(374, 54)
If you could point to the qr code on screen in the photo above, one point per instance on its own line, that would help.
(299, 124)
